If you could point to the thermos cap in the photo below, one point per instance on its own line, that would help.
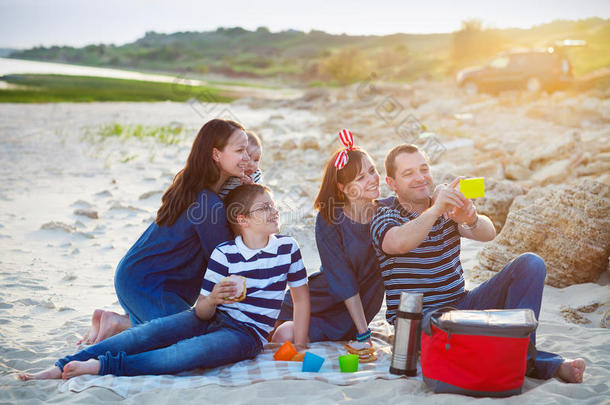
(411, 302)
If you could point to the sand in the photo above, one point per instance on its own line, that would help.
(56, 266)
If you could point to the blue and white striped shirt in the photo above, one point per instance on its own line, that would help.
(267, 271)
(433, 268)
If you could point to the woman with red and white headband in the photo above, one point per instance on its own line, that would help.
(348, 291)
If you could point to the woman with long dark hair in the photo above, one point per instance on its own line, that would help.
(162, 272)
(347, 292)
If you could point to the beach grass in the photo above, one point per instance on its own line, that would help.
(165, 134)
(32, 88)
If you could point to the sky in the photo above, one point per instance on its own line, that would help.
(28, 23)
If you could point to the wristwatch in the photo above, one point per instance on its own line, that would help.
(474, 224)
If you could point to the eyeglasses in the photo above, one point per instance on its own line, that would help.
(268, 208)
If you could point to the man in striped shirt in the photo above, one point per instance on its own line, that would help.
(417, 241)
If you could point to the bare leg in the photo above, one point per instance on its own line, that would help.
(76, 368)
(284, 332)
(571, 371)
(48, 374)
(111, 323)
(91, 334)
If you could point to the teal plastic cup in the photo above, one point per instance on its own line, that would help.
(312, 362)
(348, 363)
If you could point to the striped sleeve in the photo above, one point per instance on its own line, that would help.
(257, 176)
(385, 219)
(230, 184)
(297, 275)
(218, 268)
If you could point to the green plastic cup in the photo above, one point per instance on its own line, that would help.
(348, 363)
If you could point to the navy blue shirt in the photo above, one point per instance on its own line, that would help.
(348, 266)
(163, 271)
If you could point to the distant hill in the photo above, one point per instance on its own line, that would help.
(4, 52)
(317, 56)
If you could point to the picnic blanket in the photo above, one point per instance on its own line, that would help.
(261, 368)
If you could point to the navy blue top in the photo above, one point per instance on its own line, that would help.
(348, 266)
(167, 263)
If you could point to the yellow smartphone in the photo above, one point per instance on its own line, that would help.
(473, 188)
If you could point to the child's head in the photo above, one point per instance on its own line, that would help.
(250, 209)
(255, 151)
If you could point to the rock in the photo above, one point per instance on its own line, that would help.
(149, 194)
(516, 172)
(289, 144)
(310, 142)
(56, 225)
(556, 172)
(499, 195)
(86, 213)
(319, 93)
(535, 155)
(567, 225)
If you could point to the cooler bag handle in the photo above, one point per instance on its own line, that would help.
(436, 313)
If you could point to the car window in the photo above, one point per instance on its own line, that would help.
(499, 62)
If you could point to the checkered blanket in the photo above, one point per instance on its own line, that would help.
(261, 368)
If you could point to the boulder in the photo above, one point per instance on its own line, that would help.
(310, 142)
(567, 225)
(499, 196)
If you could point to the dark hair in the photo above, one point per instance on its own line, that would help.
(329, 196)
(239, 201)
(200, 171)
(253, 138)
(390, 159)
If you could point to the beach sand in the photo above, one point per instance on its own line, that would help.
(57, 264)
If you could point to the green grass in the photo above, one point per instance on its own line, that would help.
(168, 135)
(29, 88)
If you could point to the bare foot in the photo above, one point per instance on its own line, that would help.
(571, 371)
(52, 373)
(111, 323)
(91, 334)
(76, 368)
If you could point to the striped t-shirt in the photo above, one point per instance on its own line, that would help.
(234, 182)
(433, 268)
(267, 271)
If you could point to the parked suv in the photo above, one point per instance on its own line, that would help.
(530, 70)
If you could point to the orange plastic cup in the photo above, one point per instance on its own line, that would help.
(285, 353)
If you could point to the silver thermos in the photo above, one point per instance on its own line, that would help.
(406, 334)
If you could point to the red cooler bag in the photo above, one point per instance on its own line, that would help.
(478, 353)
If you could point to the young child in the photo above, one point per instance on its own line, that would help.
(219, 329)
(252, 173)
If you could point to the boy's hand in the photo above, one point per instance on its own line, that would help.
(222, 291)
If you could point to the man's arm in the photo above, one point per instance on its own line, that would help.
(480, 229)
(403, 239)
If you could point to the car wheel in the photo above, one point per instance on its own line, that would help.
(533, 85)
(471, 88)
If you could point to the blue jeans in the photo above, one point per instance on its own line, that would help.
(172, 344)
(518, 286)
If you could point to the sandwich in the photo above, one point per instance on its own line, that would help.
(364, 350)
(240, 286)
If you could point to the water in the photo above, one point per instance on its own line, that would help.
(19, 66)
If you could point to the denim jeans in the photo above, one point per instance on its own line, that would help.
(172, 344)
(518, 286)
